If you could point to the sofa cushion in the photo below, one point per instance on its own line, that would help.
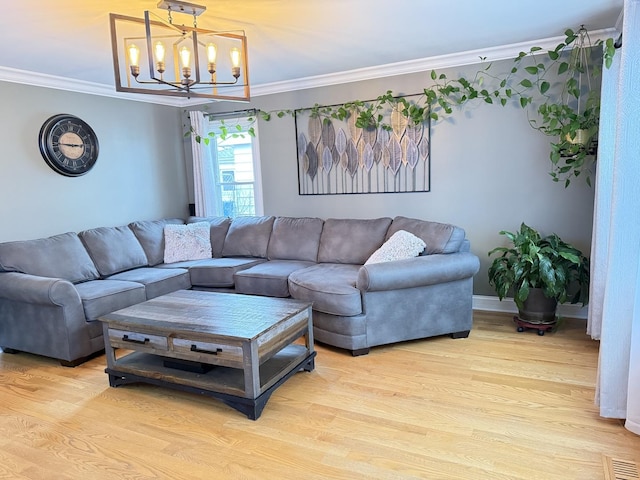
(61, 256)
(113, 249)
(186, 242)
(295, 239)
(248, 237)
(350, 240)
(269, 278)
(400, 246)
(219, 228)
(100, 297)
(330, 287)
(219, 272)
(156, 281)
(150, 234)
(439, 237)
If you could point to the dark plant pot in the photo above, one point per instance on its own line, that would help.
(538, 309)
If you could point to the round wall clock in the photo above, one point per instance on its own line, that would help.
(68, 145)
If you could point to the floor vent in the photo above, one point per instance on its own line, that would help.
(616, 469)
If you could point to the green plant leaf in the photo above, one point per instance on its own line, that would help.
(544, 87)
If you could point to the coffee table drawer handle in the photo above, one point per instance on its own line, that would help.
(194, 348)
(125, 338)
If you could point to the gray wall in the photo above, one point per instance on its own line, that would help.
(489, 171)
(140, 172)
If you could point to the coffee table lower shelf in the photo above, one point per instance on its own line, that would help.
(223, 383)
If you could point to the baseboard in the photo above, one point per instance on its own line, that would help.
(494, 304)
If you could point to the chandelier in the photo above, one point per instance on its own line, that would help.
(158, 57)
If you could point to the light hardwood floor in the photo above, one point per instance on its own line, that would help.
(497, 405)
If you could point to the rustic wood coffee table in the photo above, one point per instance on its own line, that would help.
(237, 348)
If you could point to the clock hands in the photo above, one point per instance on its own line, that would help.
(71, 144)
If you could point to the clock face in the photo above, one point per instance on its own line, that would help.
(68, 145)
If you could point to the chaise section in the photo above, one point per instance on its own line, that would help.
(330, 287)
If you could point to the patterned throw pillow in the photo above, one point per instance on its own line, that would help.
(401, 245)
(186, 242)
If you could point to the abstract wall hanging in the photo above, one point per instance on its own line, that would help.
(336, 157)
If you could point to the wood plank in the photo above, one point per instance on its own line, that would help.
(498, 405)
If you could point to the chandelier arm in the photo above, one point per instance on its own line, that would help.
(177, 85)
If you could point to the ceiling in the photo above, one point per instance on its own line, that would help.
(289, 40)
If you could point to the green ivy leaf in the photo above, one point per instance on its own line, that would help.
(526, 83)
(544, 87)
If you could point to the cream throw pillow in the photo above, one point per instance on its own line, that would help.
(187, 242)
(400, 246)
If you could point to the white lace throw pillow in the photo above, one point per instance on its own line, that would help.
(400, 246)
(187, 242)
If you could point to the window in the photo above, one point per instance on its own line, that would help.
(236, 168)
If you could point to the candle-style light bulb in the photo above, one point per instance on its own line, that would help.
(134, 59)
(185, 59)
(160, 53)
(235, 62)
(212, 52)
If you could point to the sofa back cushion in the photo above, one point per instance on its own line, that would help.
(218, 231)
(114, 249)
(439, 237)
(295, 239)
(351, 240)
(150, 234)
(61, 256)
(248, 237)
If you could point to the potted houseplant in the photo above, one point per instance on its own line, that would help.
(540, 271)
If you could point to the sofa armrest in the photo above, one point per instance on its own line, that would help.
(22, 287)
(418, 271)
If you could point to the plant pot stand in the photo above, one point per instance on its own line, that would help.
(522, 325)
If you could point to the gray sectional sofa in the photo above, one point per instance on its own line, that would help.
(53, 290)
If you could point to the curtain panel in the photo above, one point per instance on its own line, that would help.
(614, 311)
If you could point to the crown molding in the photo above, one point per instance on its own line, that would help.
(381, 71)
(470, 57)
(25, 77)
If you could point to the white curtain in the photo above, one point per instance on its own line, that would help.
(205, 189)
(614, 307)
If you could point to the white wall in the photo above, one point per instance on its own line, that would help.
(489, 171)
(139, 174)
